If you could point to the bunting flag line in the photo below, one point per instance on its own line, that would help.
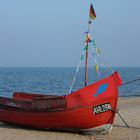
(82, 56)
(93, 43)
(92, 13)
(98, 51)
(96, 68)
(99, 74)
(88, 38)
(86, 47)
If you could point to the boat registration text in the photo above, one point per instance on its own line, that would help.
(102, 108)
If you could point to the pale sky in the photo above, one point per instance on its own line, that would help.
(48, 33)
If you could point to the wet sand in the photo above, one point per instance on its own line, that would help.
(129, 108)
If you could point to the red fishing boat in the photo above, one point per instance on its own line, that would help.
(88, 108)
(84, 109)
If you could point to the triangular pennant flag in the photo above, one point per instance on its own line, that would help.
(92, 13)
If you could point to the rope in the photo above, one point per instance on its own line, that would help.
(116, 111)
(77, 69)
(122, 119)
(104, 64)
(132, 81)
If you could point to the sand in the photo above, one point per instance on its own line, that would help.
(129, 108)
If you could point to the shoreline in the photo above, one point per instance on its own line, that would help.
(129, 108)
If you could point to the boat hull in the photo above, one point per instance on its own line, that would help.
(84, 109)
(79, 118)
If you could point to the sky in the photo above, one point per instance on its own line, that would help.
(50, 33)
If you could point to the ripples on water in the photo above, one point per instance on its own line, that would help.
(58, 80)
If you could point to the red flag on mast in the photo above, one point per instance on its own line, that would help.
(92, 13)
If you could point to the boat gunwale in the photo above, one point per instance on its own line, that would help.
(34, 110)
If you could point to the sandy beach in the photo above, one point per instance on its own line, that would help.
(129, 108)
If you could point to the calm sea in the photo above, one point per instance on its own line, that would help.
(58, 80)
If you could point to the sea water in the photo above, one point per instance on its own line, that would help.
(57, 81)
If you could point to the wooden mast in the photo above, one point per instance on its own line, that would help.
(92, 16)
(86, 67)
(86, 61)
